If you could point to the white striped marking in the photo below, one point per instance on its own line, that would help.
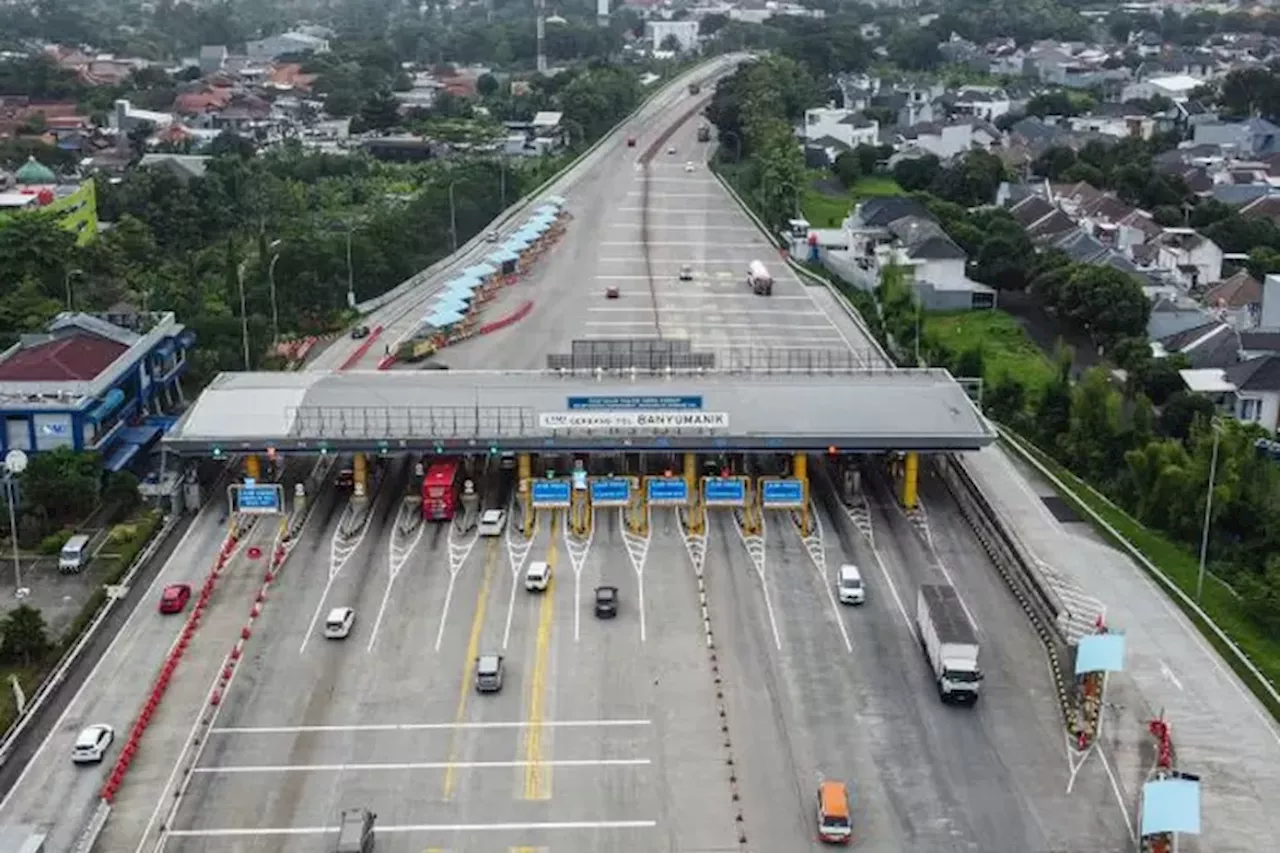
(420, 765)
(418, 827)
(426, 727)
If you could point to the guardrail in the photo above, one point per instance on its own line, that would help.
(68, 659)
(699, 72)
(1260, 685)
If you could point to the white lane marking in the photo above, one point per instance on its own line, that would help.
(869, 534)
(421, 765)
(663, 244)
(699, 211)
(518, 548)
(336, 563)
(734, 341)
(701, 311)
(713, 327)
(429, 727)
(420, 827)
(127, 630)
(1167, 672)
(659, 194)
(755, 548)
(458, 555)
(397, 556)
(815, 548)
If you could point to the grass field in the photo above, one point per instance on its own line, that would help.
(825, 207)
(1005, 346)
(1181, 567)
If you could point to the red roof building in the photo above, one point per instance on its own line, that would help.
(78, 357)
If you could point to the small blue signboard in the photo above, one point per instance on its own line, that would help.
(551, 493)
(615, 491)
(667, 491)
(783, 494)
(725, 491)
(647, 404)
(259, 499)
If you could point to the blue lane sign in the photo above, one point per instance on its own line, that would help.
(667, 491)
(551, 493)
(259, 499)
(612, 492)
(647, 404)
(782, 493)
(725, 491)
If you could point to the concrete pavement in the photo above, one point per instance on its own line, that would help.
(1219, 729)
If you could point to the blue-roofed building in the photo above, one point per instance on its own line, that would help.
(99, 382)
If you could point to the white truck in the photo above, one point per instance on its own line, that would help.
(759, 280)
(950, 643)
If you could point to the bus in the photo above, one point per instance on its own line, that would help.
(440, 486)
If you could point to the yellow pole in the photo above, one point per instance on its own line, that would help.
(360, 473)
(911, 471)
(691, 486)
(524, 469)
(252, 467)
(800, 469)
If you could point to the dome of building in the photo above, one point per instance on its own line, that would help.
(34, 172)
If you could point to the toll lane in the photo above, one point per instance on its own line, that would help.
(54, 793)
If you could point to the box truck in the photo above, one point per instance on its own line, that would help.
(950, 643)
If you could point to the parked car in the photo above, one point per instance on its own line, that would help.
(92, 743)
(606, 602)
(174, 598)
(359, 332)
(493, 522)
(491, 237)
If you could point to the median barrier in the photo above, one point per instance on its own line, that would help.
(360, 351)
(701, 72)
(511, 319)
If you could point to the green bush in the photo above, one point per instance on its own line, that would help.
(53, 543)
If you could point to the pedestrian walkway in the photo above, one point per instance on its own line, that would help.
(1220, 731)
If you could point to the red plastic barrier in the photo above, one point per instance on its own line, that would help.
(354, 358)
(387, 361)
(512, 318)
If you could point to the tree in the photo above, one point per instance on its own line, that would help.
(487, 85)
(916, 173)
(381, 111)
(62, 482)
(26, 636)
(848, 168)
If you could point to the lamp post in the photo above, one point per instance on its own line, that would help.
(1208, 509)
(453, 220)
(271, 283)
(15, 462)
(244, 316)
(66, 283)
(351, 275)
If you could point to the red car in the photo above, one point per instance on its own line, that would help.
(175, 597)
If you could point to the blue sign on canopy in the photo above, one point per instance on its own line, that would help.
(782, 493)
(647, 402)
(667, 491)
(551, 493)
(610, 492)
(259, 499)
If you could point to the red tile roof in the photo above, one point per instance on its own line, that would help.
(75, 358)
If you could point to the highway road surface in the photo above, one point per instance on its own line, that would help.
(607, 734)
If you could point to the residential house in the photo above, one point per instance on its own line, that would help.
(684, 32)
(1115, 120)
(1195, 259)
(1175, 87)
(21, 114)
(213, 58)
(184, 167)
(126, 117)
(285, 44)
(1249, 391)
(1237, 300)
(1213, 344)
(1263, 207)
(825, 126)
(981, 102)
(1251, 138)
(943, 141)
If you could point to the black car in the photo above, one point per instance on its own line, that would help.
(359, 332)
(606, 602)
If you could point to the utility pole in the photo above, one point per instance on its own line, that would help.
(540, 5)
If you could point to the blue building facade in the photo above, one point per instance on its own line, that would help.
(94, 382)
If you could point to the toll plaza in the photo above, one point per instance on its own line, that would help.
(579, 440)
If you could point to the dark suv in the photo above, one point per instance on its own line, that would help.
(606, 602)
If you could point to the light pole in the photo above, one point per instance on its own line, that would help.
(502, 181)
(244, 316)
(351, 275)
(66, 282)
(453, 220)
(1208, 509)
(271, 283)
(15, 462)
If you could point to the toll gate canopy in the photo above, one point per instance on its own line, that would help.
(825, 401)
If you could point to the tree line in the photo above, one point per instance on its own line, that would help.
(1145, 442)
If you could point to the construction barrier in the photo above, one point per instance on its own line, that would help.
(362, 350)
(511, 319)
(158, 689)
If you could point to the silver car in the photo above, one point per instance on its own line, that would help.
(92, 744)
(492, 522)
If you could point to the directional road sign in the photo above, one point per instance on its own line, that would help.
(551, 493)
(259, 498)
(667, 491)
(725, 491)
(782, 494)
(614, 491)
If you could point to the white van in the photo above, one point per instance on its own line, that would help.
(338, 624)
(74, 554)
(849, 587)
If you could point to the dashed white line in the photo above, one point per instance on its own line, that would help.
(427, 727)
(420, 827)
(418, 765)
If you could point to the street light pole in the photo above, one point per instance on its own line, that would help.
(502, 181)
(271, 283)
(244, 316)
(453, 220)
(351, 276)
(15, 462)
(66, 281)
(1208, 510)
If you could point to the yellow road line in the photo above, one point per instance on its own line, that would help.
(469, 665)
(529, 849)
(537, 776)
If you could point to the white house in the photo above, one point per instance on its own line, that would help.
(125, 117)
(684, 32)
(984, 102)
(1248, 391)
(264, 50)
(847, 127)
(1176, 87)
(943, 141)
(1193, 258)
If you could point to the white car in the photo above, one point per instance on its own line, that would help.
(92, 744)
(537, 577)
(671, 150)
(689, 167)
(491, 237)
(492, 522)
(337, 626)
(686, 273)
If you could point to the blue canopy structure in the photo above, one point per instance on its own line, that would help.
(537, 226)
(556, 200)
(503, 256)
(440, 319)
(1100, 653)
(454, 296)
(516, 245)
(1171, 805)
(463, 283)
(547, 210)
(453, 302)
(484, 269)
